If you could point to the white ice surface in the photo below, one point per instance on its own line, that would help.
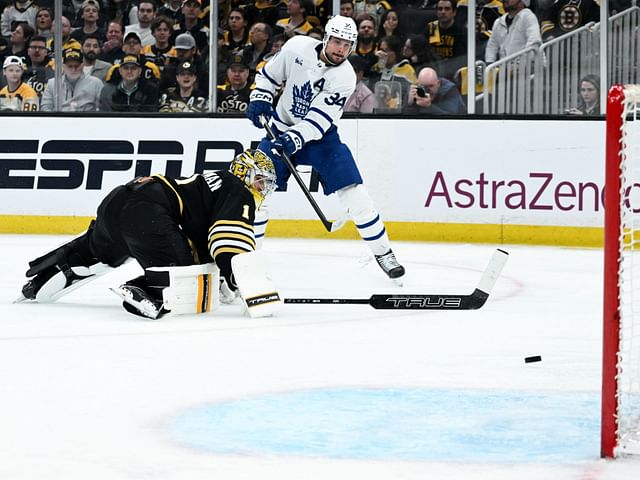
(86, 389)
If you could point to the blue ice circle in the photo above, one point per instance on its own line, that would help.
(399, 424)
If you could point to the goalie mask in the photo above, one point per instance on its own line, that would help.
(256, 170)
(341, 27)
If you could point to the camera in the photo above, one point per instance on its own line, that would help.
(420, 91)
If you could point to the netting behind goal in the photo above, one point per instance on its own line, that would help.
(621, 340)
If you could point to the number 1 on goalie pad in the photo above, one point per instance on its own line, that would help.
(256, 287)
(192, 289)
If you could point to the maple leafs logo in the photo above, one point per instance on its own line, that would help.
(301, 101)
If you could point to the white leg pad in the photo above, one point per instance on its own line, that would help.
(256, 287)
(192, 289)
(56, 287)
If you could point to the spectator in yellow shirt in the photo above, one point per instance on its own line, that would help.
(17, 95)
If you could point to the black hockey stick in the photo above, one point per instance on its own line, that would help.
(428, 301)
(329, 225)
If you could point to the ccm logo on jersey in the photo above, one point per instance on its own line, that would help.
(71, 164)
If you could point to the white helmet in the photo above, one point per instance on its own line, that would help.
(341, 27)
(13, 60)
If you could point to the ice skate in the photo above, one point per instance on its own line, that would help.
(139, 302)
(389, 264)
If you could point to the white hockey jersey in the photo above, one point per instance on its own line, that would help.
(314, 93)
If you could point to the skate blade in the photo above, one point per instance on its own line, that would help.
(20, 299)
(146, 310)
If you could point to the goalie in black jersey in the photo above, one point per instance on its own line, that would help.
(161, 222)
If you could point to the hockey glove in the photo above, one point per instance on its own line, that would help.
(260, 106)
(289, 143)
(228, 294)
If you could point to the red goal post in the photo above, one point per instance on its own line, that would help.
(620, 422)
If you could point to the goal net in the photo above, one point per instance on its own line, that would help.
(621, 334)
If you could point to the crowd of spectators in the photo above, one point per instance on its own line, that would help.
(139, 55)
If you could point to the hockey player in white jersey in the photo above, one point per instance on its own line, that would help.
(317, 82)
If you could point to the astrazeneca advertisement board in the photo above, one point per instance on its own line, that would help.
(497, 172)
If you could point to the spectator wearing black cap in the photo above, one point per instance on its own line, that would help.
(233, 97)
(112, 48)
(80, 92)
(191, 23)
(133, 46)
(185, 96)
(132, 93)
(186, 51)
(89, 13)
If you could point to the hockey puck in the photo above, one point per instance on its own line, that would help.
(535, 358)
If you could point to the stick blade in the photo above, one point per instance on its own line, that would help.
(493, 270)
(337, 224)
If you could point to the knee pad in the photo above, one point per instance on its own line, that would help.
(357, 202)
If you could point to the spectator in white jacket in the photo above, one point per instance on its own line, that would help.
(514, 31)
(80, 92)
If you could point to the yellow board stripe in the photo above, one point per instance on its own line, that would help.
(399, 231)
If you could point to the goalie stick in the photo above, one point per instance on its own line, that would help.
(429, 301)
(328, 224)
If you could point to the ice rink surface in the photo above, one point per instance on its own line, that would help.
(90, 391)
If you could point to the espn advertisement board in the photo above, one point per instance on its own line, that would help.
(499, 172)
